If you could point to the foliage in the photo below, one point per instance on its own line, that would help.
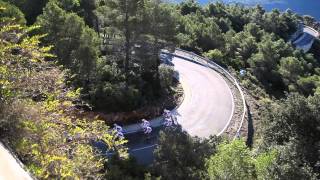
(118, 169)
(75, 44)
(215, 54)
(235, 161)
(294, 120)
(166, 76)
(199, 33)
(68, 5)
(30, 8)
(181, 156)
(133, 50)
(288, 164)
(232, 161)
(45, 131)
(109, 49)
(250, 38)
(10, 11)
(188, 7)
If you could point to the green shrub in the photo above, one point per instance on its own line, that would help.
(166, 76)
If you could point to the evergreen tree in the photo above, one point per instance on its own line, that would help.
(75, 44)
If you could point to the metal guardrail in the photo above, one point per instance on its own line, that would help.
(221, 70)
(316, 33)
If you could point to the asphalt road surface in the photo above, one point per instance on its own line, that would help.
(306, 38)
(10, 168)
(206, 110)
(208, 103)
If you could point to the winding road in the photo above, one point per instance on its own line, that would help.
(208, 104)
(306, 38)
(206, 110)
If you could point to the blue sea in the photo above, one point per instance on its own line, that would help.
(302, 7)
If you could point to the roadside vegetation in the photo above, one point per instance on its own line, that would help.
(60, 59)
(38, 114)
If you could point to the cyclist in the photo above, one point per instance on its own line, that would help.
(119, 131)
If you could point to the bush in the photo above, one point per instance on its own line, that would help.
(166, 76)
(114, 97)
(11, 11)
(215, 55)
(10, 115)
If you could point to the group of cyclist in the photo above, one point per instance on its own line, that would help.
(169, 120)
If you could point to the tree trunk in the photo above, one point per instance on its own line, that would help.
(127, 46)
(158, 85)
(156, 53)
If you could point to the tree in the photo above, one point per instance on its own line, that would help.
(166, 75)
(133, 45)
(217, 9)
(232, 161)
(290, 69)
(124, 17)
(214, 54)
(257, 15)
(188, 7)
(87, 11)
(180, 156)
(200, 33)
(160, 21)
(38, 114)
(308, 85)
(86, 56)
(282, 24)
(68, 5)
(247, 47)
(30, 8)
(10, 11)
(288, 165)
(294, 120)
(308, 20)
(264, 63)
(235, 161)
(75, 44)
(237, 16)
(128, 169)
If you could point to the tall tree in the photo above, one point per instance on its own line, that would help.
(160, 20)
(75, 44)
(125, 16)
(37, 113)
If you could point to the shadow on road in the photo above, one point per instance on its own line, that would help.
(250, 128)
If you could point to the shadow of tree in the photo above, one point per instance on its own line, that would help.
(250, 134)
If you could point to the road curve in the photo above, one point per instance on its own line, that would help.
(208, 104)
(206, 110)
(306, 38)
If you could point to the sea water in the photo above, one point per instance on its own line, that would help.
(302, 7)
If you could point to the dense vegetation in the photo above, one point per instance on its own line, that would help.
(58, 56)
(253, 40)
(117, 65)
(38, 114)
